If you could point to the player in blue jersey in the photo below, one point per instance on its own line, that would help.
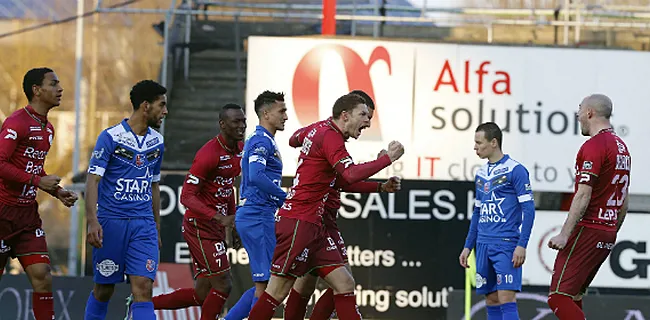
(503, 218)
(123, 203)
(261, 196)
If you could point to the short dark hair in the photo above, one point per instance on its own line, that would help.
(229, 106)
(34, 77)
(346, 103)
(267, 97)
(146, 90)
(491, 131)
(365, 96)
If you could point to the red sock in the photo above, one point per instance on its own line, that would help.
(213, 304)
(564, 307)
(296, 306)
(43, 305)
(179, 299)
(324, 306)
(346, 306)
(264, 308)
(578, 303)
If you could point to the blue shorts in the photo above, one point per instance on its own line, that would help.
(494, 268)
(130, 247)
(258, 238)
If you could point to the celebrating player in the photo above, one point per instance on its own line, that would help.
(299, 296)
(25, 139)
(503, 199)
(302, 242)
(261, 196)
(209, 197)
(598, 209)
(123, 203)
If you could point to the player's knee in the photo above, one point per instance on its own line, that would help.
(40, 276)
(506, 296)
(103, 292)
(142, 289)
(492, 298)
(306, 285)
(341, 281)
(222, 283)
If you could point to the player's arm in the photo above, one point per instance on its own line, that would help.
(96, 168)
(472, 233)
(362, 187)
(155, 191)
(622, 214)
(193, 184)
(589, 166)
(578, 208)
(259, 153)
(524, 192)
(299, 136)
(337, 155)
(12, 133)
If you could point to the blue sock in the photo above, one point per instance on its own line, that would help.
(95, 309)
(509, 311)
(494, 313)
(242, 308)
(143, 311)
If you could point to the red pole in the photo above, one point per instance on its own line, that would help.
(329, 17)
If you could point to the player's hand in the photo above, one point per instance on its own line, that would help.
(159, 240)
(463, 258)
(236, 239)
(95, 236)
(395, 150)
(519, 257)
(393, 184)
(382, 153)
(227, 221)
(49, 183)
(67, 197)
(558, 242)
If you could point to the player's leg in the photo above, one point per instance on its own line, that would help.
(508, 279)
(486, 282)
(324, 307)
(5, 254)
(290, 261)
(109, 268)
(574, 268)
(31, 250)
(258, 238)
(141, 260)
(296, 305)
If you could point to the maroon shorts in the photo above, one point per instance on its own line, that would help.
(577, 264)
(21, 236)
(207, 247)
(301, 247)
(333, 231)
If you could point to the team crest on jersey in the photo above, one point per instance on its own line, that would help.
(151, 265)
(139, 159)
(587, 165)
(486, 186)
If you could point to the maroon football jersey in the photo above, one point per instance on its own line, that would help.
(25, 140)
(208, 188)
(322, 156)
(603, 162)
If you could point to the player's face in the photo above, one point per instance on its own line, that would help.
(357, 120)
(277, 115)
(482, 146)
(371, 112)
(155, 111)
(583, 118)
(50, 91)
(234, 125)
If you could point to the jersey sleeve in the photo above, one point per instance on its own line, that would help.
(472, 233)
(524, 192)
(101, 154)
(156, 168)
(588, 163)
(199, 171)
(12, 133)
(338, 157)
(299, 136)
(261, 150)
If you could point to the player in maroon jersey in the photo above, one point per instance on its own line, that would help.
(296, 306)
(597, 211)
(302, 242)
(25, 139)
(209, 197)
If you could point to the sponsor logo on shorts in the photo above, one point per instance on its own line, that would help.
(39, 233)
(332, 245)
(151, 265)
(107, 267)
(480, 281)
(303, 256)
(3, 247)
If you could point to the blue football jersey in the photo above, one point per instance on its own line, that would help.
(128, 165)
(503, 196)
(261, 172)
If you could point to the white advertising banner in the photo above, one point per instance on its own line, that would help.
(627, 266)
(431, 97)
